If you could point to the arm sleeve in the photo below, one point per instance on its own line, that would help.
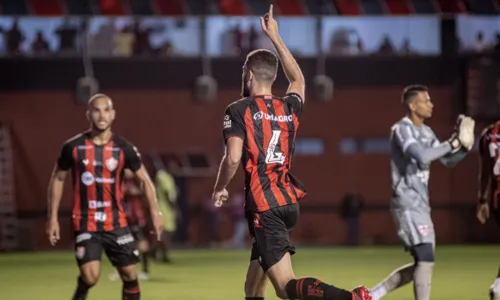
(411, 148)
(132, 157)
(233, 123)
(451, 158)
(295, 102)
(65, 159)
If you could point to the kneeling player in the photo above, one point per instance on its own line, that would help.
(489, 188)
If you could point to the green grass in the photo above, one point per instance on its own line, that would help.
(461, 272)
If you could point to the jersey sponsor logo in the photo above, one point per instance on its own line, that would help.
(88, 178)
(262, 115)
(99, 204)
(111, 164)
(227, 121)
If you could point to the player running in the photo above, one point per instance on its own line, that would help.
(259, 131)
(97, 159)
(413, 147)
(489, 187)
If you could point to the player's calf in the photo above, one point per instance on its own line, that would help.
(89, 275)
(424, 266)
(130, 289)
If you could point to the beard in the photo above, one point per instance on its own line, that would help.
(96, 128)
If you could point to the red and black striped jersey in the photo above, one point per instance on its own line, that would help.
(489, 149)
(268, 126)
(97, 180)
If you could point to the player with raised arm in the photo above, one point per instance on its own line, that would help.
(97, 159)
(414, 147)
(259, 130)
(489, 187)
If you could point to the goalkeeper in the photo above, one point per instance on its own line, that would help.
(413, 146)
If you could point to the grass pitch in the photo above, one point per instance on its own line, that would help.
(461, 272)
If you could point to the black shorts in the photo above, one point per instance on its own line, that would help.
(119, 245)
(270, 233)
(139, 233)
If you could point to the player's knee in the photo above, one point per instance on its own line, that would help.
(90, 278)
(128, 273)
(423, 253)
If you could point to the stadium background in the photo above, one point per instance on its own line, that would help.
(341, 145)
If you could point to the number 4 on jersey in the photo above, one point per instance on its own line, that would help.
(495, 155)
(272, 155)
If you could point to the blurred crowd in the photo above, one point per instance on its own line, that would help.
(129, 39)
(160, 37)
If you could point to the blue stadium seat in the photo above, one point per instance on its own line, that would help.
(423, 6)
(199, 7)
(258, 7)
(482, 7)
(372, 7)
(320, 7)
(14, 7)
(140, 7)
(78, 7)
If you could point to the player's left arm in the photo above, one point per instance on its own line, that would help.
(452, 158)
(485, 171)
(233, 133)
(134, 163)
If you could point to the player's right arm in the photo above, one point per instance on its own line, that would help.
(290, 66)
(55, 192)
(411, 148)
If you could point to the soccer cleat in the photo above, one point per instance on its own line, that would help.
(360, 293)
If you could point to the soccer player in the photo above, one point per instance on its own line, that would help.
(413, 147)
(137, 219)
(97, 158)
(259, 130)
(489, 189)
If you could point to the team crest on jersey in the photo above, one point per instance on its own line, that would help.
(111, 164)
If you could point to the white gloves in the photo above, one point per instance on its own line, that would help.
(463, 134)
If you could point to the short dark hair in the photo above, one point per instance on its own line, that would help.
(263, 64)
(411, 91)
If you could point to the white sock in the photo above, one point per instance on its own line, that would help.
(496, 285)
(378, 292)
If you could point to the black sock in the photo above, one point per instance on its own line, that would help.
(131, 290)
(254, 298)
(308, 288)
(145, 263)
(81, 289)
